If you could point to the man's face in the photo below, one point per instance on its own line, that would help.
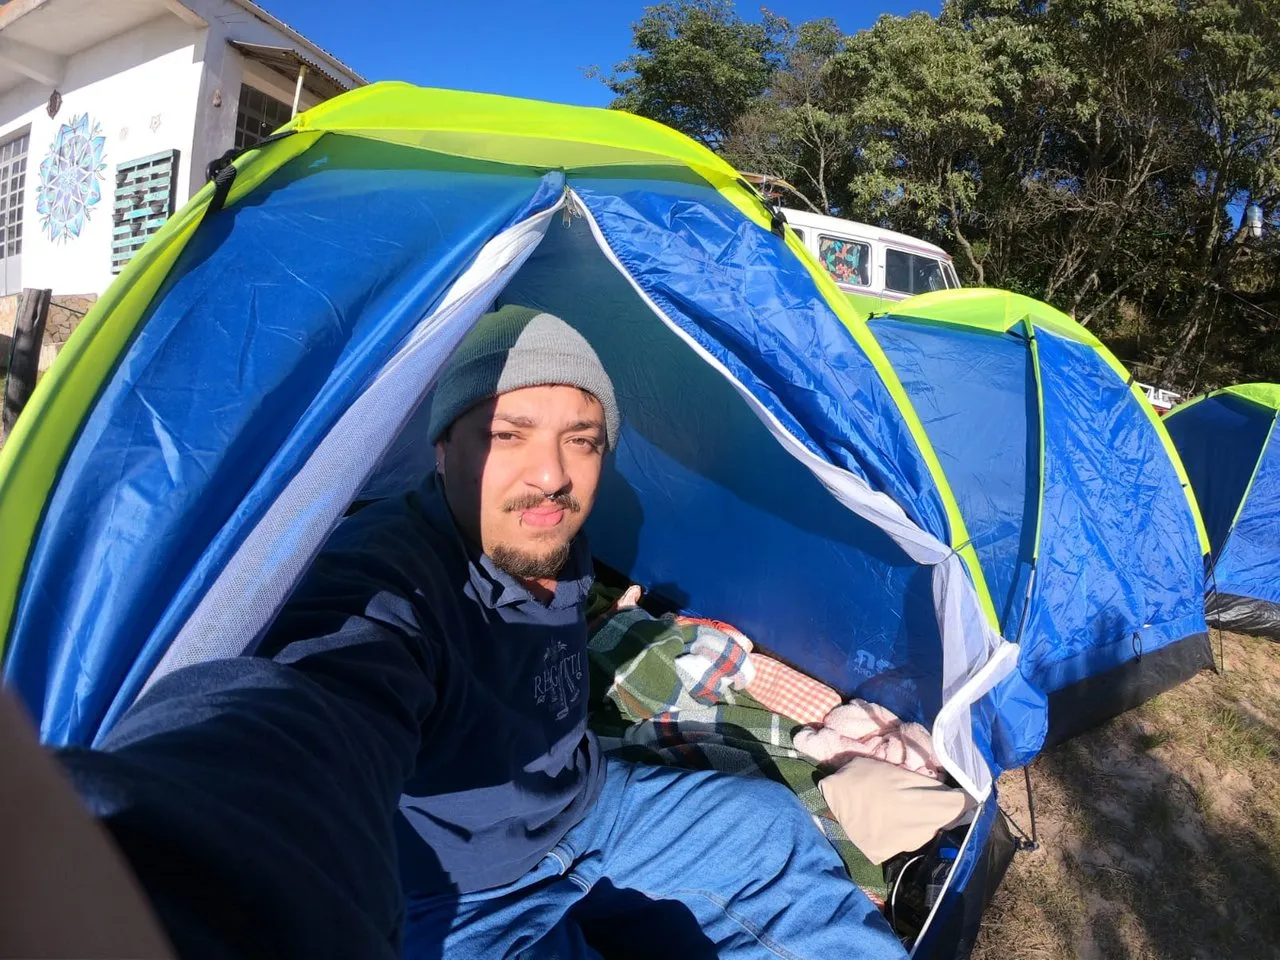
(520, 474)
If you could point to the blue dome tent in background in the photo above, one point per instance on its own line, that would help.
(1070, 489)
(1230, 445)
(889, 504)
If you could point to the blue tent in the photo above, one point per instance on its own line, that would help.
(1071, 493)
(1231, 447)
(267, 359)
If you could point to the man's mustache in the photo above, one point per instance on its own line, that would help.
(565, 501)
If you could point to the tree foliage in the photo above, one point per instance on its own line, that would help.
(1098, 154)
(697, 66)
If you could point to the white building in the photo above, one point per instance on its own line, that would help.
(110, 111)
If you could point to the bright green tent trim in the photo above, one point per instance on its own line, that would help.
(868, 305)
(508, 129)
(527, 133)
(520, 132)
(983, 308)
(1000, 310)
(1263, 394)
(32, 457)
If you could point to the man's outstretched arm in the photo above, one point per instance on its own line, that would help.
(254, 798)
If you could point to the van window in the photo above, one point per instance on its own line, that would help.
(910, 273)
(799, 233)
(848, 261)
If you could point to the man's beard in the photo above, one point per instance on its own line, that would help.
(526, 564)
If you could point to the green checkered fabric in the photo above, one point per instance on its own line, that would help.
(643, 710)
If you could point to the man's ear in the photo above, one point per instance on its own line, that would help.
(440, 457)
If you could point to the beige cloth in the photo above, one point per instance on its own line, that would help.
(887, 810)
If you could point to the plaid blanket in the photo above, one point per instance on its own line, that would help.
(648, 709)
(789, 692)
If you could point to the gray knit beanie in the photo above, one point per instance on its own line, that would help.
(513, 348)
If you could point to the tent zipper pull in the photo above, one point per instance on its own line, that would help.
(572, 208)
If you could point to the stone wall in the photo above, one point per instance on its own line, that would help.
(65, 313)
(8, 319)
(8, 315)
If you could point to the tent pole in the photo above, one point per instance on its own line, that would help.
(297, 90)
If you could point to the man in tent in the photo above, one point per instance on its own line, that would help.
(423, 698)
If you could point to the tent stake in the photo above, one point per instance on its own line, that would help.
(1034, 843)
(1222, 644)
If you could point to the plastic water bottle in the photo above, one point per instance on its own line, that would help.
(939, 871)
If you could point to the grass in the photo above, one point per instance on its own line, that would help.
(1238, 739)
(1157, 738)
(1160, 831)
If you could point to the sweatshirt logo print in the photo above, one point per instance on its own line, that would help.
(559, 685)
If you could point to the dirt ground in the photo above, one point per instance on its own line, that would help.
(1159, 832)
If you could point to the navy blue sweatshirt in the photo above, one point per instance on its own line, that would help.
(507, 765)
(256, 798)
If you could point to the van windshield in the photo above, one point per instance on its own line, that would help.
(912, 273)
(848, 261)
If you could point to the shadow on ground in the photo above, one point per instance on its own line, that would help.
(1160, 831)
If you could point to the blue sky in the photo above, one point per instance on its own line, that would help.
(516, 47)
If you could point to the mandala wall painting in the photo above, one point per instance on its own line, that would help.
(69, 177)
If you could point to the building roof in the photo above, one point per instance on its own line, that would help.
(288, 62)
(353, 78)
(37, 36)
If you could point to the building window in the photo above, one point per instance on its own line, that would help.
(848, 261)
(13, 181)
(258, 116)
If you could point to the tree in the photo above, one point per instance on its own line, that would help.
(1088, 94)
(919, 99)
(697, 66)
(1098, 154)
(796, 131)
(1232, 87)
